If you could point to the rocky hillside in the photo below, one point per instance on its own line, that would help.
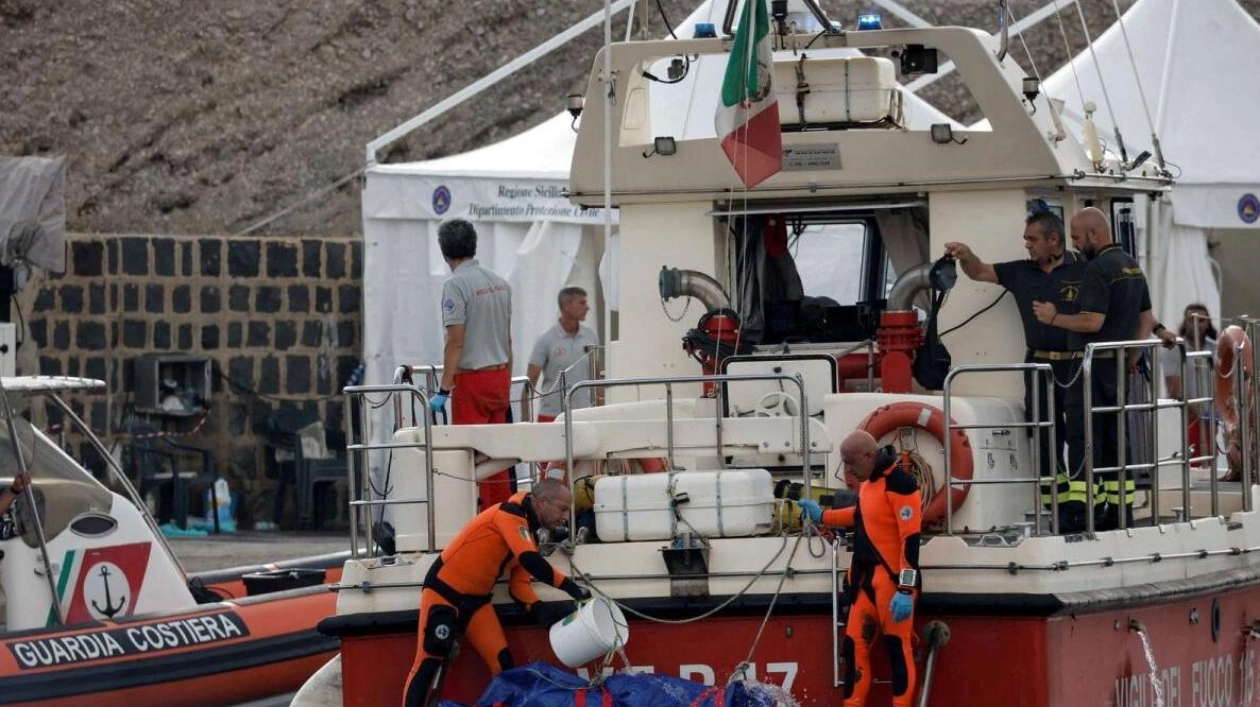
(195, 117)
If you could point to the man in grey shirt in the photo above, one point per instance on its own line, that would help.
(563, 348)
(477, 358)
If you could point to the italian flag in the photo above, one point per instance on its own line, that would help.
(748, 116)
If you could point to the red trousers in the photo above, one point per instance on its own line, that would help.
(480, 398)
(870, 621)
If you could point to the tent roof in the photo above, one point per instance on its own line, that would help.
(1195, 61)
(542, 152)
(546, 151)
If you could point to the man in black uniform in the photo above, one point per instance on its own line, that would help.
(1051, 273)
(1114, 305)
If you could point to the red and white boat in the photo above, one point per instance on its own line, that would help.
(1165, 612)
(98, 611)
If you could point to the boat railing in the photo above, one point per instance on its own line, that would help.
(432, 374)
(1032, 372)
(357, 452)
(669, 382)
(1123, 350)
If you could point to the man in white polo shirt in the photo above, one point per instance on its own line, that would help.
(563, 348)
(477, 358)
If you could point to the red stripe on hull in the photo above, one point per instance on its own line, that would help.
(210, 691)
(1063, 661)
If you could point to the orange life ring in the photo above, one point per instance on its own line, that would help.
(1232, 340)
(883, 420)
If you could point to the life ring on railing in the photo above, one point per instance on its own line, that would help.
(926, 417)
(1232, 341)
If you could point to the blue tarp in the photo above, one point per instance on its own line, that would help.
(544, 685)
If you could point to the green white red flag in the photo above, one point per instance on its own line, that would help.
(748, 115)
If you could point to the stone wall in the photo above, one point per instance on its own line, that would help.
(278, 318)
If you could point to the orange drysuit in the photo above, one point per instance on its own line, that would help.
(887, 519)
(456, 594)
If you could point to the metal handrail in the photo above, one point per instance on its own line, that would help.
(728, 22)
(352, 459)
(1036, 369)
(669, 383)
(1122, 350)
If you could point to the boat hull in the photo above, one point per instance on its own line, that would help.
(997, 654)
(216, 654)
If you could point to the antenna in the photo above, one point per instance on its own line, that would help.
(1124, 156)
(1137, 79)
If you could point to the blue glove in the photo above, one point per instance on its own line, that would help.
(901, 607)
(438, 402)
(810, 509)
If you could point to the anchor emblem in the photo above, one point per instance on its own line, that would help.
(109, 610)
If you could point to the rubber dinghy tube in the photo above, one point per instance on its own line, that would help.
(926, 417)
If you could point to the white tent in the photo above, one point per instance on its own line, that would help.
(1194, 60)
(529, 233)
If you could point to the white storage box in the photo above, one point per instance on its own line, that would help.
(721, 504)
(841, 91)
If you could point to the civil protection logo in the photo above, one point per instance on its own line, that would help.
(1249, 208)
(906, 513)
(441, 199)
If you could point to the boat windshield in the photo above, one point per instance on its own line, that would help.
(63, 489)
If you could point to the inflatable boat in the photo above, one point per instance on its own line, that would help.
(98, 610)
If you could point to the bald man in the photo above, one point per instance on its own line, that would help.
(882, 583)
(1115, 305)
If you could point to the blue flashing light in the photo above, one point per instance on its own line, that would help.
(869, 20)
(704, 30)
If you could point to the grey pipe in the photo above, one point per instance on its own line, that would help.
(689, 283)
(908, 286)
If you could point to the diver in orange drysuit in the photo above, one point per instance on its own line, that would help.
(883, 579)
(456, 594)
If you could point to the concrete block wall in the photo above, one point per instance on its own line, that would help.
(279, 318)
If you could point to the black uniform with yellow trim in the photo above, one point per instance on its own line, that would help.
(1028, 283)
(1115, 287)
(887, 519)
(457, 590)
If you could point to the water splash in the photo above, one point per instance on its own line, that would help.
(773, 694)
(1156, 684)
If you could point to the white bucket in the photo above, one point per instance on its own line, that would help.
(590, 632)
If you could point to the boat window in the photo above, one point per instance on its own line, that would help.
(63, 489)
(829, 259)
(812, 275)
(1123, 229)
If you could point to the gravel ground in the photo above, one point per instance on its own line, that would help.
(182, 117)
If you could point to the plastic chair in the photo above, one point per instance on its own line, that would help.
(311, 473)
(161, 462)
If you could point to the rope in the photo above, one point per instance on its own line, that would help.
(1137, 80)
(742, 668)
(744, 590)
(1076, 79)
(1020, 33)
(299, 203)
(1089, 42)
